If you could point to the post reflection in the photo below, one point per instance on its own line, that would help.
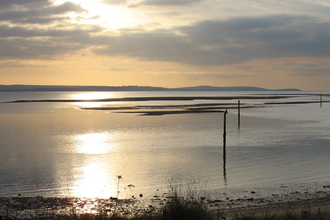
(224, 170)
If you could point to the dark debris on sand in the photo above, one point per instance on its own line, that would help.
(46, 207)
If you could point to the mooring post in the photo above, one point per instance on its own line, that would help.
(320, 100)
(224, 146)
(239, 114)
(224, 135)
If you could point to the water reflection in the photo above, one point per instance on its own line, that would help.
(93, 178)
(91, 95)
(94, 182)
(94, 143)
(89, 104)
(224, 171)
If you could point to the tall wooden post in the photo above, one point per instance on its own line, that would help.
(239, 114)
(224, 146)
(224, 135)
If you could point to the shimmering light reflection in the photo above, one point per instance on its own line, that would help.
(93, 97)
(94, 179)
(94, 182)
(94, 143)
(90, 104)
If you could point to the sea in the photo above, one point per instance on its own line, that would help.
(101, 145)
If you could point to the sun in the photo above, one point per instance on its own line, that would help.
(106, 15)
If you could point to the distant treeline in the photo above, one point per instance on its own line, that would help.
(30, 88)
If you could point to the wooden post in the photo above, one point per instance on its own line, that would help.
(224, 135)
(224, 146)
(239, 114)
(320, 100)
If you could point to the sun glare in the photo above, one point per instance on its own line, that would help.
(94, 182)
(94, 143)
(111, 16)
(91, 96)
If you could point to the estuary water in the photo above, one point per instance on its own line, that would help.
(67, 144)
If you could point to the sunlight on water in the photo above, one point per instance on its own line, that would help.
(88, 105)
(80, 153)
(94, 182)
(91, 95)
(94, 179)
(94, 143)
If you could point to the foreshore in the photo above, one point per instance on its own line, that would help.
(33, 207)
(293, 203)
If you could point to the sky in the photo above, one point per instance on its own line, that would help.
(273, 44)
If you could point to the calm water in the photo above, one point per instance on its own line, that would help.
(57, 149)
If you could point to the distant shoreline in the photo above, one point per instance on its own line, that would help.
(42, 88)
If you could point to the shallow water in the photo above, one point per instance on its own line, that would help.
(57, 149)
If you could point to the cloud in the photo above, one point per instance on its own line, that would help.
(23, 32)
(198, 76)
(168, 2)
(43, 14)
(26, 43)
(33, 48)
(230, 41)
(19, 64)
(309, 69)
(234, 40)
(152, 2)
(115, 2)
(5, 4)
(227, 75)
(21, 40)
(116, 69)
(65, 8)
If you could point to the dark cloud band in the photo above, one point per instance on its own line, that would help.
(209, 42)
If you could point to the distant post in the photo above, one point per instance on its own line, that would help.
(320, 100)
(239, 113)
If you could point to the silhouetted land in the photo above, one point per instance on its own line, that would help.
(131, 88)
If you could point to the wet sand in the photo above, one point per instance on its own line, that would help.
(160, 110)
(169, 98)
(295, 202)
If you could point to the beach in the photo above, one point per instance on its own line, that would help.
(46, 207)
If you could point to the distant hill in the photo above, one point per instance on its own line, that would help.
(230, 88)
(30, 88)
